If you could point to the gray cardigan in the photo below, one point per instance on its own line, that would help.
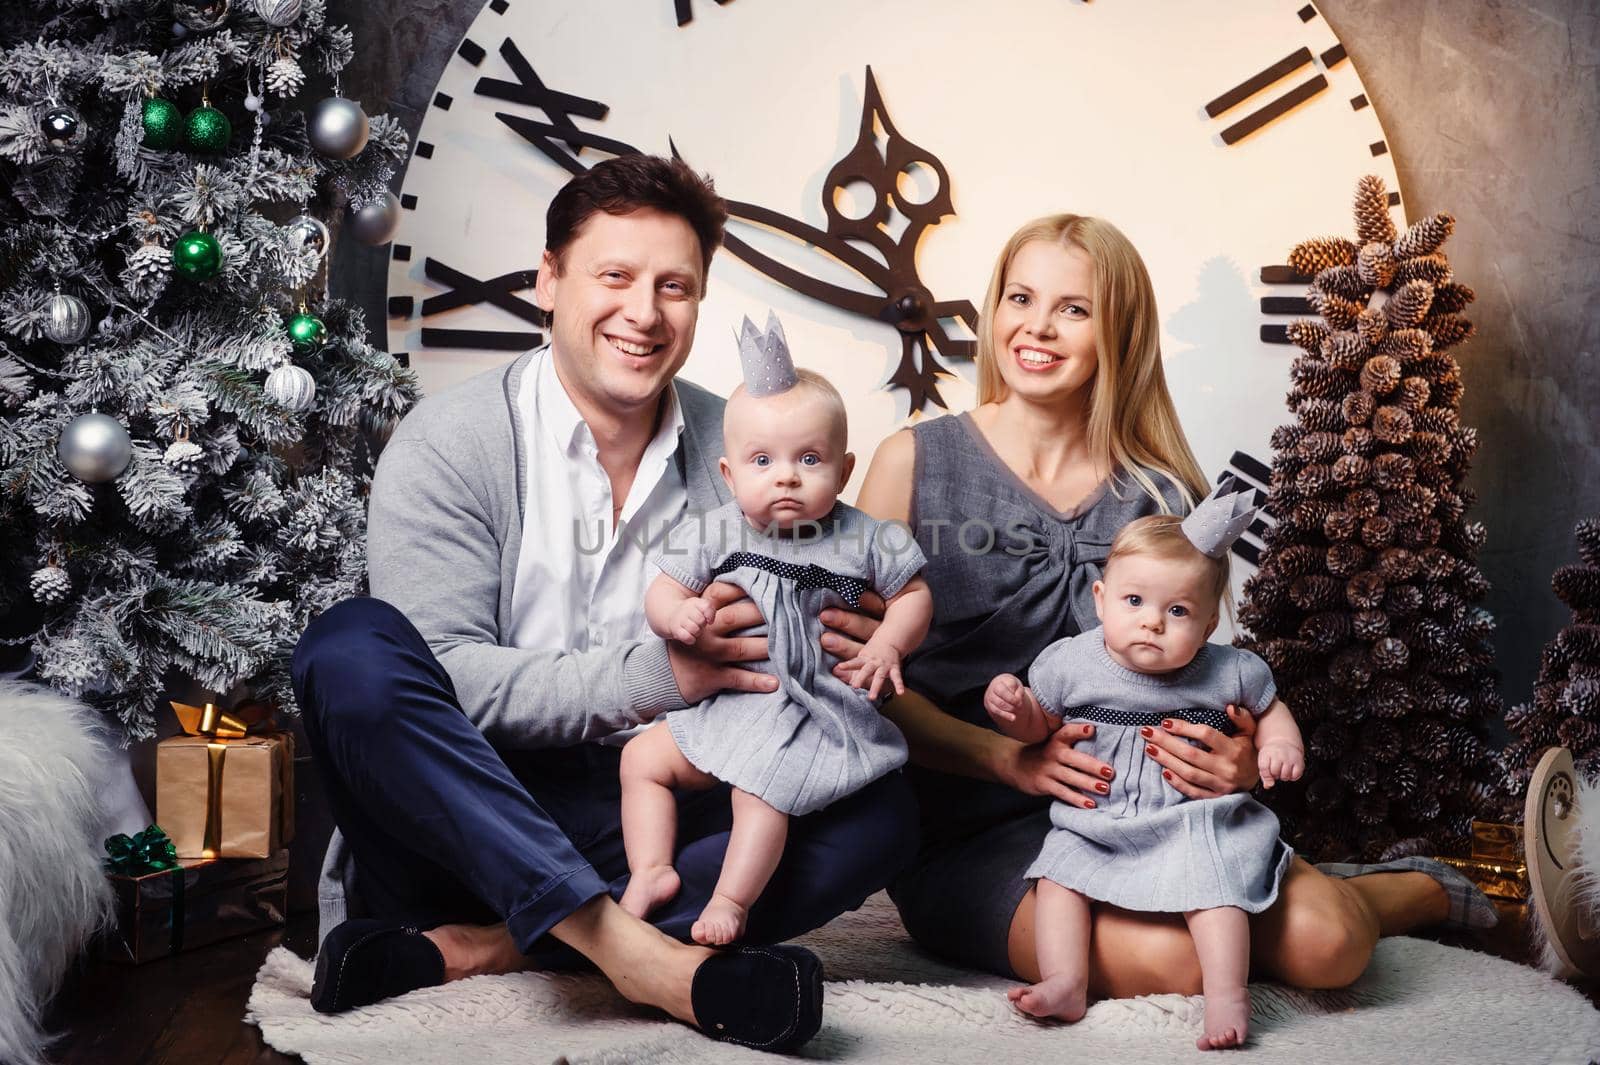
(444, 528)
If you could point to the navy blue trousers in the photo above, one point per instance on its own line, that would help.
(445, 828)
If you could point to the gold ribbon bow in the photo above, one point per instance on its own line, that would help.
(219, 727)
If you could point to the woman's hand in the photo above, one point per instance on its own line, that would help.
(1221, 766)
(847, 631)
(1057, 769)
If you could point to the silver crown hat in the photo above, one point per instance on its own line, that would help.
(768, 369)
(1221, 517)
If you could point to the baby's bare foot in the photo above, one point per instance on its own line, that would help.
(1227, 1021)
(1058, 996)
(649, 888)
(720, 923)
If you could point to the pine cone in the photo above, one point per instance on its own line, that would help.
(1426, 236)
(1307, 334)
(1406, 345)
(1319, 380)
(1325, 794)
(1365, 590)
(1288, 658)
(1381, 740)
(1435, 369)
(185, 456)
(50, 584)
(1581, 698)
(1391, 470)
(1424, 805)
(1391, 425)
(1358, 440)
(1372, 327)
(1315, 480)
(1340, 525)
(1315, 592)
(1421, 533)
(1351, 471)
(1298, 559)
(1448, 392)
(1376, 841)
(1345, 559)
(1414, 394)
(1465, 746)
(1369, 624)
(1432, 449)
(1375, 264)
(1401, 780)
(1390, 655)
(1310, 257)
(1329, 741)
(1351, 669)
(1409, 847)
(1403, 599)
(1358, 407)
(1397, 564)
(1588, 532)
(1380, 375)
(284, 77)
(1344, 281)
(1339, 312)
(1326, 630)
(1437, 420)
(1345, 350)
(1372, 211)
(1359, 773)
(1434, 269)
(1317, 447)
(1377, 532)
(1371, 809)
(1409, 306)
(1321, 415)
(1452, 298)
(1447, 330)
(1431, 741)
(1288, 437)
(1310, 514)
(1362, 502)
(1578, 586)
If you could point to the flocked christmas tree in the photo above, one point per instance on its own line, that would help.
(186, 420)
(1366, 599)
(1565, 710)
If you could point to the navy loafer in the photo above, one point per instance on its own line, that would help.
(765, 998)
(366, 961)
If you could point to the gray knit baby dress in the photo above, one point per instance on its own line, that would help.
(1149, 847)
(816, 739)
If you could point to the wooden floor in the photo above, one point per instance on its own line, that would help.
(189, 1010)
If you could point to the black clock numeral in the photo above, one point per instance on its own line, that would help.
(466, 290)
(559, 107)
(1254, 474)
(1255, 83)
(684, 9)
(1273, 333)
(487, 339)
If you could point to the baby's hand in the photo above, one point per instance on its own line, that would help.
(1281, 760)
(876, 663)
(691, 616)
(1005, 698)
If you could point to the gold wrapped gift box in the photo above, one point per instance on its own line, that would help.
(200, 902)
(1496, 865)
(226, 798)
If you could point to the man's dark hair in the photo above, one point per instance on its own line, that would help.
(631, 182)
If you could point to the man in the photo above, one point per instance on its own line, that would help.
(467, 719)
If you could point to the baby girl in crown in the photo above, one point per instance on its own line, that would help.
(1147, 846)
(795, 549)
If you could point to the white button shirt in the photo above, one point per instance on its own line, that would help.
(581, 583)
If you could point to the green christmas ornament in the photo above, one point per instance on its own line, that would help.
(163, 124)
(306, 333)
(207, 130)
(197, 256)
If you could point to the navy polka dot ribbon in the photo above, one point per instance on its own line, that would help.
(809, 576)
(1198, 715)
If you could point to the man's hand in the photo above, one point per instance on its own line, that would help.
(1281, 760)
(848, 631)
(702, 669)
(877, 662)
(691, 617)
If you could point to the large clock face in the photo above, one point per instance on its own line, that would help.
(878, 154)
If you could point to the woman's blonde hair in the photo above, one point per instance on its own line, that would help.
(1132, 423)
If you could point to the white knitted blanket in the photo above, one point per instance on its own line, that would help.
(888, 1002)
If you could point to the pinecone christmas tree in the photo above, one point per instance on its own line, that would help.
(168, 514)
(1565, 710)
(1365, 602)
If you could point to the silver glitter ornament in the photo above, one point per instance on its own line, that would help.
(50, 584)
(95, 448)
(67, 319)
(307, 232)
(376, 221)
(292, 387)
(337, 128)
(63, 128)
(201, 16)
(252, 102)
(279, 12)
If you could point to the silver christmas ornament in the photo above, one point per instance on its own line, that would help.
(376, 221)
(307, 232)
(279, 12)
(201, 16)
(292, 386)
(95, 448)
(63, 128)
(50, 584)
(337, 128)
(252, 102)
(67, 319)
(179, 31)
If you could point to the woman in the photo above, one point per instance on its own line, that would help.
(1074, 436)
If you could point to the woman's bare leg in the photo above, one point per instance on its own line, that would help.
(1063, 950)
(1222, 939)
(754, 847)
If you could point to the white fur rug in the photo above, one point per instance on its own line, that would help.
(888, 1002)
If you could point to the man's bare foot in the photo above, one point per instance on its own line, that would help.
(1058, 996)
(720, 923)
(475, 950)
(649, 888)
(1227, 1021)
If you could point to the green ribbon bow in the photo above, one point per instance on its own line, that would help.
(145, 852)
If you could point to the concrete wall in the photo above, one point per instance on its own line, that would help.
(1492, 111)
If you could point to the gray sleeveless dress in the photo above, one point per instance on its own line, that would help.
(816, 739)
(1148, 846)
(996, 606)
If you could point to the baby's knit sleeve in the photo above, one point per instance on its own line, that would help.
(894, 558)
(686, 555)
(1257, 688)
(1051, 675)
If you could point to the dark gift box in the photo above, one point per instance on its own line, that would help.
(202, 901)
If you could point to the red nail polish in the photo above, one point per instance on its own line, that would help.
(1166, 774)
(1104, 789)
(1090, 803)
(1108, 772)
(1146, 732)
(1088, 730)
(1167, 725)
